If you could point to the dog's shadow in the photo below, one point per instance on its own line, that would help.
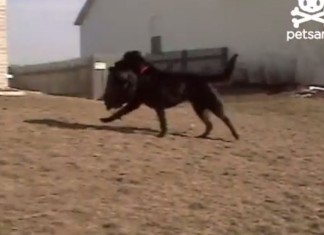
(79, 126)
(120, 129)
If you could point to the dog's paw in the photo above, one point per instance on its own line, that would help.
(161, 135)
(202, 136)
(105, 120)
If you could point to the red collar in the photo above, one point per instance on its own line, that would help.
(144, 69)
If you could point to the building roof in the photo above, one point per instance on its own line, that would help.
(84, 12)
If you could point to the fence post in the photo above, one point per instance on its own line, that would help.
(184, 60)
(224, 56)
(99, 70)
(169, 67)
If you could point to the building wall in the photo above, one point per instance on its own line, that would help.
(3, 45)
(114, 26)
(255, 29)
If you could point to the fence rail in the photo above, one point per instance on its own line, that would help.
(197, 60)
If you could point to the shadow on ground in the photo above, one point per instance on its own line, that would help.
(79, 126)
(119, 129)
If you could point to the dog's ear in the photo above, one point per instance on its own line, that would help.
(133, 56)
(133, 53)
(118, 64)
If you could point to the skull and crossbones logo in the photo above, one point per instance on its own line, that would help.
(308, 10)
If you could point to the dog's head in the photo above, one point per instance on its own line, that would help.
(135, 61)
(120, 88)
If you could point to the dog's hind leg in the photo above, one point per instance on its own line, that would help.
(213, 102)
(218, 110)
(163, 122)
(203, 114)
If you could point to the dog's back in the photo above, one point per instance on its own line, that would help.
(155, 91)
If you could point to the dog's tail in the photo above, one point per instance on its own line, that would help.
(226, 74)
(230, 66)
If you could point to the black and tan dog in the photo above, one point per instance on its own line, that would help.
(134, 81)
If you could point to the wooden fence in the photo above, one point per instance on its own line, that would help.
(198, 60)
(86, 77)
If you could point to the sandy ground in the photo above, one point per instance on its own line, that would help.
(63, 172)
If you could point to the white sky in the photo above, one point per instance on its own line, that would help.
(42, 30)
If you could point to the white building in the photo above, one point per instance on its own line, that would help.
(255, 29)
(3, 45)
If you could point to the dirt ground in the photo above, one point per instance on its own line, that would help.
(63, 172)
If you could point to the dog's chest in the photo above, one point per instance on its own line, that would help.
(162, 93)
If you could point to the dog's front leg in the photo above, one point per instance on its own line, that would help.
(121, 112)
(163, 123)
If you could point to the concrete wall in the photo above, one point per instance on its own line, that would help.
(3, 45)
(255, 29)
